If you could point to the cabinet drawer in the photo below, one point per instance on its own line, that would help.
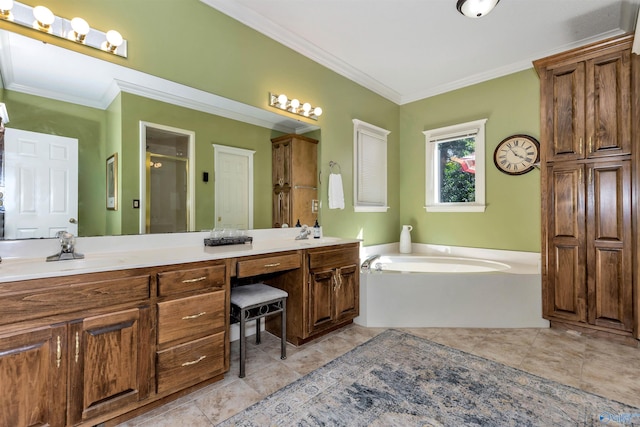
(188, 318)
(270, 264)
(190, 363)
(173, 282)
(63, 298)
(334, 257)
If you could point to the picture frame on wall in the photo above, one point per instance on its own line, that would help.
(112, 182)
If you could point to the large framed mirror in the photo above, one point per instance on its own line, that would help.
(102, 106)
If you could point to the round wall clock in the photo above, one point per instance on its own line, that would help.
(517, 154)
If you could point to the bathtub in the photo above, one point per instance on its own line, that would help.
(456, 287)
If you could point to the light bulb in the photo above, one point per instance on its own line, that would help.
(44, 18)
(295, 104)
(80, 29)
(114, 39)
(306, 107)
(5, 8)
(282, 101)
(317, 111)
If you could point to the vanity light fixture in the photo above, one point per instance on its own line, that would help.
(76, 30)
(294, 106)
(476, 8)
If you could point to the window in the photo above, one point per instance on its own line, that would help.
(455, 168)
(370, 166)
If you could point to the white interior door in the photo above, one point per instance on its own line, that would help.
(234, 187)
(41, 184)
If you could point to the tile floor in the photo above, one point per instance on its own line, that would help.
(593, 364)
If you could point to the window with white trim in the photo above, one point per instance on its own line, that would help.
(454, 165)
(370, 167)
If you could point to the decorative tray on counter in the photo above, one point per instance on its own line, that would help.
(221, 241)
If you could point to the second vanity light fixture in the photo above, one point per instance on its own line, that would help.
(294, 106)
(77, 29)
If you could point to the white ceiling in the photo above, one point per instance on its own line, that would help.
(406, 50)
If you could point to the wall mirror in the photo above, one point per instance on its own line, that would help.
(54, 91)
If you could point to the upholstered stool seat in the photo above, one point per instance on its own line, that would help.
(249, 302)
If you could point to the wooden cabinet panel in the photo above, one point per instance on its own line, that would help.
(187, 280)
(337, 256)
(566, 87)
(282, 207)
(189, 318)
(566, 284)
(33, 370)
(347, 293)
(108, 363)
(321, 299)
(281, 163)
(608, 120)
(190, 363)
(257, 266)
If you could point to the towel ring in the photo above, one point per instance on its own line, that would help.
(332, 164)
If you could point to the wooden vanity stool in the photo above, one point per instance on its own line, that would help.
(249, 302)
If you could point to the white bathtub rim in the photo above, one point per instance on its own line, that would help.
(520, 262)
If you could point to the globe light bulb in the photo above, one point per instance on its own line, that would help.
(80, 29)
(282, 101)
(317, 111)
(44, 18)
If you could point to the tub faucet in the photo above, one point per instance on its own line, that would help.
(67, 248)
(304, 233)
(366, 265)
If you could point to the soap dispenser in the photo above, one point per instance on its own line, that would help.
(316, 230)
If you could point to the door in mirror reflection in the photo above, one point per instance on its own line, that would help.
(168, 195)
(41, 185)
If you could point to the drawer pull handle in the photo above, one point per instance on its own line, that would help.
(193, 362)
(58, 352)
(194, 316)
(275, 264)
(197, 279)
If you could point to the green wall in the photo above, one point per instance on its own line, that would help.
(189, 42)
(512, 217)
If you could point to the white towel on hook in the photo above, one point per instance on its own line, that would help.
(336, 193)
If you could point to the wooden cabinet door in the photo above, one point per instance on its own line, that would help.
(608, 114)
(565, 294)
(33, 373)
(281, 163)
(321, 299)
(347, 292)
(564, 98)
(281, 208)
(609, 245)
(109, 362)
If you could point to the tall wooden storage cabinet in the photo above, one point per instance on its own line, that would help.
(295, 180)
(589, 163)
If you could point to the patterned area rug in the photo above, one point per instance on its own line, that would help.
(397, 379)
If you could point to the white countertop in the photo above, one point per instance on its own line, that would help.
(25, 259)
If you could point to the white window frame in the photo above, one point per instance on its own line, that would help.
(365, 166)
(432, 138)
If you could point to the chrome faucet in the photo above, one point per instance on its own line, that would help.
(67, 247)
(304, 233)
(366, 265)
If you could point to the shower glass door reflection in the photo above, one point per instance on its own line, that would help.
(167, 190)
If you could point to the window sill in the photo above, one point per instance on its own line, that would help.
(454, 207)
(370, 208)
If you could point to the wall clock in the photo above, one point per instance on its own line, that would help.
(517, 154)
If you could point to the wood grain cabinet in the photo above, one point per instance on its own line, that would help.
(589, 172)
(323, 294)
(295, 180)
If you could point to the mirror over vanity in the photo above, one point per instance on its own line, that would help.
(109, 109)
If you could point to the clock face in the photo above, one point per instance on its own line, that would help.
(517, 154)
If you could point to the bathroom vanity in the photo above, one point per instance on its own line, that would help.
(100, 340)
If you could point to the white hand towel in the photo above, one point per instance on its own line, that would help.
(336, 193)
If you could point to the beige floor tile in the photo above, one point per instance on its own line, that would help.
(185, 415)
(271, 378)
(226, 401)
(307, 360)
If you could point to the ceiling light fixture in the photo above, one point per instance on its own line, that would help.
(476, 8)
(76, 30)
(294, 106)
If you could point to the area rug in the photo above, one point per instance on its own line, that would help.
(397, 379)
